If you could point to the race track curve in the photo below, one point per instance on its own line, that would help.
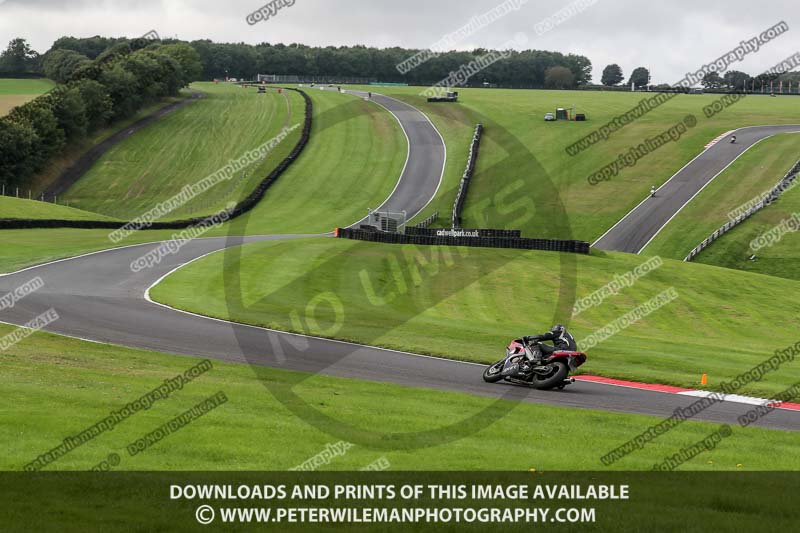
(636, 229)
(99, 298)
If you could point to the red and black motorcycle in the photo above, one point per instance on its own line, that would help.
(551, 372)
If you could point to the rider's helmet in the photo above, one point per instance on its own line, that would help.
(558, 329)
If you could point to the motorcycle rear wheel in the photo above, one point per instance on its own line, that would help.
(559, 374)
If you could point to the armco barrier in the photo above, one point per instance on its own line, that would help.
(428, 221)
(241, 208)
(770, 197)
(461, 197)
(578, 247)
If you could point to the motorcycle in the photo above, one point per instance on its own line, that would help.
(551, 373)
(733, 139)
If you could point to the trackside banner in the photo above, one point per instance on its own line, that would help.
(460, 232)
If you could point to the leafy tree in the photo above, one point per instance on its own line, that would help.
(60, 65)
(766, 80)
(17, 140)
(90, 47)
(121, 79)
(640, 77)
(735, 80)
(99, 107)
(70, 111)
(790, 77)
(120, 85)
(712, 80)
(581, 68)
(612, 75)
(559, 78)
(49, 139)
(189, 60)
(146, 72)
(219, 60)
(18, 59)
(170, 74)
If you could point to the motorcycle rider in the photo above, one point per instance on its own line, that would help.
(733, 139)
(563, 341)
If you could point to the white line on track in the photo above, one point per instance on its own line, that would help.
(408, 151)
(701, 190)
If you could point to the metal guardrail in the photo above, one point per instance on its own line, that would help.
(768, 198)
(461, 197)
(428, 221)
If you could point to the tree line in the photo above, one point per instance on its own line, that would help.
(732, 80)
(528, 68)
(103, 80)
(92, 93)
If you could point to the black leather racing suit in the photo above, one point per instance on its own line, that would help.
(563, 341)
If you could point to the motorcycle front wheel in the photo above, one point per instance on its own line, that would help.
(559, 373)
(494, 373)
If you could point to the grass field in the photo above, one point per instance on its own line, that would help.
(23, 208)
(352, 163)
(27, 247)
(781, 259)
(523, 152)
(354, 157)
(62, 386)
(468, 305)
(185, 147)
(756, 172)
(350, 169)
(465, 305)
(14, 92)
(72, 153)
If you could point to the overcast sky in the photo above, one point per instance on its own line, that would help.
(670, 37)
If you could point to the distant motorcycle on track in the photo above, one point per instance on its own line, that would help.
(552, 371)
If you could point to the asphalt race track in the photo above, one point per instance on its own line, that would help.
(635, 231)
(424, 166)
(99, 298)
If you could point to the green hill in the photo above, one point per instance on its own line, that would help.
(22, 208)
(521, 152)
(754, 173)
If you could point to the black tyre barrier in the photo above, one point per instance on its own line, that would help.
(461, 197)
(241, 208)
(768, 198)
(577, 247)
(484, 233)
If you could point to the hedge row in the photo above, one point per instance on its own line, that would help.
(461, 197)
(578, 247)
(241, 208)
